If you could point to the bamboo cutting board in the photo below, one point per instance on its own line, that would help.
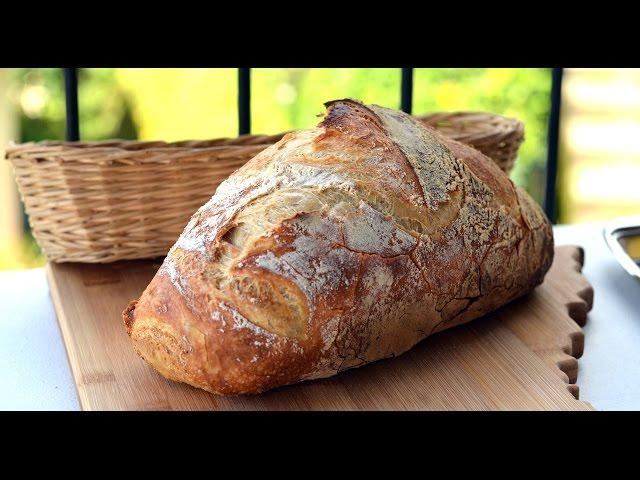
(522, 357)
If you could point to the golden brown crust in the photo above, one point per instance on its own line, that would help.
(336, 247)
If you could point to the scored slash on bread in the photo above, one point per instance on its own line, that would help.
(335, 247)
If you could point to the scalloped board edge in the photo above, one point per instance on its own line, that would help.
(558, 340)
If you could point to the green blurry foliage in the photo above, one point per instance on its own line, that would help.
(181, 103)
(178, 104)
(292, 98)
(38, 95)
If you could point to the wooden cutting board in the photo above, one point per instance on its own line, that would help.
(522, 357)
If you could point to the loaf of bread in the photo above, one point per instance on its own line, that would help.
(335, 247)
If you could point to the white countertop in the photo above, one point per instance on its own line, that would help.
(35, 373)
(609, 370)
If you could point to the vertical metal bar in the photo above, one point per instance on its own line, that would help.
(244, 100)
(71, 98)
(552, 144)
(406, 90)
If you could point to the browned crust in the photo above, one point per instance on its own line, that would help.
(335, 247)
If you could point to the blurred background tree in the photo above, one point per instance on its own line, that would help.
(178, 104)
(105, 109)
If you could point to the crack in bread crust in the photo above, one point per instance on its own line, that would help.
(336, 247)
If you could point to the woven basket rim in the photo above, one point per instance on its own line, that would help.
(242, 140)
(491, 127)
(109, 155)
(135, 147)
(473, 114)
(490, 121)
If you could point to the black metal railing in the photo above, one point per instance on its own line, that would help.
(406, 103)
(553, 136)
(406, 90)
(244, 101)
(71, 98)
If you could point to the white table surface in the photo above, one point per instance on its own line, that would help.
(35, 374)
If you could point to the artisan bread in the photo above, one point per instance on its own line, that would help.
(335, 247)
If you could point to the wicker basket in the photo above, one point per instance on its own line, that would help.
(496, 136)
(99, 202)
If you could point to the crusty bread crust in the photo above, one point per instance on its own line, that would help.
(335, 247)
